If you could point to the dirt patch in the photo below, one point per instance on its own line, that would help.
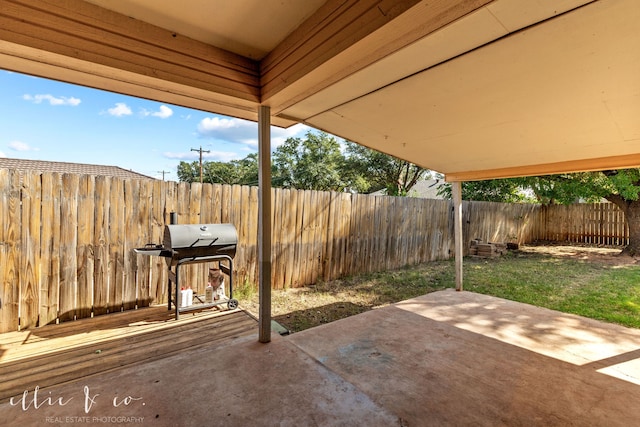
(599, 254)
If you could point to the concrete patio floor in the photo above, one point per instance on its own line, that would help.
(443, 359)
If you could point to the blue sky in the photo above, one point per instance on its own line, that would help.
(47, 120)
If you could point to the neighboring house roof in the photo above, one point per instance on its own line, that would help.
(64, 167)
(427, 189)
(423, 189)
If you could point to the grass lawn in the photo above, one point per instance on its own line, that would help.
(582, 282)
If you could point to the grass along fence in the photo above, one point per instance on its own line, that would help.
(66, 241)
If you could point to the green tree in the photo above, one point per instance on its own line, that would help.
(241, 172)
(189, 172)
(312, 163)
(379, 170)
(493, 190)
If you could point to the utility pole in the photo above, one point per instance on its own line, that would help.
(163, 172)
(201, 151)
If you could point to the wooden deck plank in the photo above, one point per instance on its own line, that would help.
(57, 354)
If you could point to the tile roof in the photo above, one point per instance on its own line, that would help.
(423, 189)
(64, 167)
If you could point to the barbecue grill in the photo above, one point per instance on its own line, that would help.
(195, 243)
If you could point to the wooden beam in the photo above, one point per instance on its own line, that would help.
(95, 39)
(456, 192)
(584, 165)
(264, 223)
(344, 37)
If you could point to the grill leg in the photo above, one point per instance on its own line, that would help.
(169, 294)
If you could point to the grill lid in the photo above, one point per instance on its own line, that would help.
(194, 242)
(213, 236)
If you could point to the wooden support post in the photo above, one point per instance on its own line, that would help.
(456, 191)
(264, 223)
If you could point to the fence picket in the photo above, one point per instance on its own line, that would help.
(49, 258)
(85, 249)
(68, 247)
(10, 251)
(101, 247)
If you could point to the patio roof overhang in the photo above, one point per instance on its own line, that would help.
(474, 89)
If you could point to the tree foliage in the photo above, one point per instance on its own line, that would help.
(242, 172)
(494, 190)
(380, 171)
(313, 163)
(317, 162)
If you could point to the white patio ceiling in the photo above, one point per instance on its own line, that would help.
(474, 89)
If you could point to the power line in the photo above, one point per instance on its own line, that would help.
(201, 151)
(163, 173)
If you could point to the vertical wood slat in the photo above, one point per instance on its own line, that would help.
(356, 235)
(284, 255)
(235, 218)
(183, 198)
(116, 252)
(346, 225)
(142, 237)
(330, 237)
(10, 250)
(68, 247)
(322, 236)
(131, 206)
(276, 239)
(49, 257)
(305, 252)
(315, 239)
(297, 198)
(85, 249)
(157, 270)
(195, 276)
(206, 217)
(252, 236)
(101, 240)
(30, 246)
(170, 193)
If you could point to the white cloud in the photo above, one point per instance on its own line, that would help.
(121, 109)
(164, 112)
(62, 100)
(228, 130)
(280, 135)
(245, 132)
(21, 146)
(209, 126)
(2, 154)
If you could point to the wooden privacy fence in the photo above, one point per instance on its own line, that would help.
(593, 223)
(66, 241)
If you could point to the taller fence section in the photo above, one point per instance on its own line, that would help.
(500, 222)
(592, 223)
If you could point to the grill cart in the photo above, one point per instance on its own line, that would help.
(192, 244)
